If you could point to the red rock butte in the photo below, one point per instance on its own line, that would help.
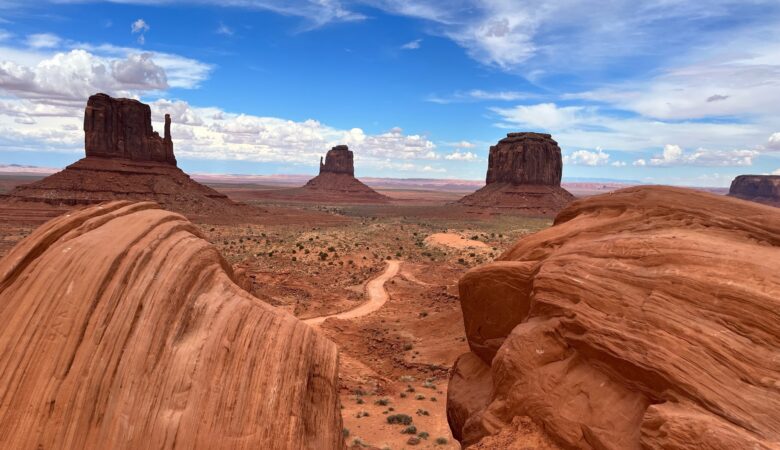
(757, 188)
(337, 182)
(122, 328)
(524, 174)
(646, 318)
(127, 159)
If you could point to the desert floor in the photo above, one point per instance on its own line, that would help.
(395, 353)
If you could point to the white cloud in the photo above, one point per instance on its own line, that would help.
(412, 45)
(77, 74)
(224, 30)
(43, 40)
(480, 94)
(546, 116)
(776, 172)
(587, 158)
(774, 142)
(461, 156)
(462, 144)
(673, 155)
(139, 26)
(618, 164)
(639, 163)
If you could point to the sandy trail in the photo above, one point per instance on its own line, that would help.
(377, 296)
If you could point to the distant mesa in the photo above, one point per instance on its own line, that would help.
(337, 182)
(647, 318)
(121, 328)
(339, 159)
(127, 160)
(757, 188)
(524, 174)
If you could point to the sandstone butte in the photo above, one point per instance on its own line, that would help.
(524, 174)
(121, 328)
(336, 180)
(645, 318)
(127, 160)
(757, 188)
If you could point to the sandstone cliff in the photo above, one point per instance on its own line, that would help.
(644, 318)
(757, 188)
(121, 328)
(339, 159)
(524, 174)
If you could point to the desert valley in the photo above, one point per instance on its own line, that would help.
(389, 225)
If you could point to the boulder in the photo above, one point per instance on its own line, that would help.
(644, 318)
(757, 188)
(122, 328)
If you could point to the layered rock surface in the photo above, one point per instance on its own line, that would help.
(339, 159)
(757, 188)
(644, 318)
(127, 160)
(122, 128)
(524, 173)
(120, 327)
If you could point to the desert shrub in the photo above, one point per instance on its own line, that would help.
(402, 419)
(422, 412)
(411, 429)
(419, 397)
(423, 435)
(382, 402)
(345, 432)
(408, 346)
(441, 440)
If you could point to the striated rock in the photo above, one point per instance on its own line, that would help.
(524, 174)
(120, 327)
(126, 160)
(339, 159)
(122, 128)
(758, 188)
(644, 318)
(525, 158)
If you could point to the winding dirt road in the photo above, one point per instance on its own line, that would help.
(377, 296)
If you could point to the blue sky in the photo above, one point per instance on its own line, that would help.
(662, 91)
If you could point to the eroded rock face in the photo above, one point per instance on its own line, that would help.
(339, 159)
(122, 128)
(757, 188)
(120, 327)
(524, 174)
(644, 318)
(525, 158)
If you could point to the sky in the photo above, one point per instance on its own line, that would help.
(657, 91)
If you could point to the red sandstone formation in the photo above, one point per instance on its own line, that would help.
(757, 188)
(336, 183)
(524, 174)
(122, 128)
(645, 318)
(126, 160)
(120, 327)
(339, 159)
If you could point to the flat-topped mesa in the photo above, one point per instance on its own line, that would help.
(122, 128)
(339, 159)
(758, 188)
(525, 158)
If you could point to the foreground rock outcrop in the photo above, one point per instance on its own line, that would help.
(127, 160)
(524, 174)
(121, 328)
(757, 188)
(644, 318)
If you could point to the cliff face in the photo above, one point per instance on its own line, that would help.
(523, 175)
(525, 158)
(646, 318)
(122, 128)
(121, 328)
(757, 188)
(339, 159)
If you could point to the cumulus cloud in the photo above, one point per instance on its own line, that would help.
(774, 142)
(546, 116)
(412, 45)
(639, 163)
(674, 155)
(77, 74)
(139, 27)
(618, 164)
(587, 158)
(776, 172)
(461, 156)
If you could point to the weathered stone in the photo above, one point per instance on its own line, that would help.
(339, 159)
(525, 158)
(757, 188)
(122, 128)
